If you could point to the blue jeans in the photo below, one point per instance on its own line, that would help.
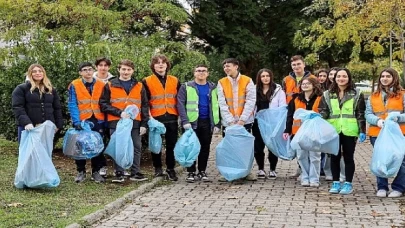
(399, 181)
(310, 163)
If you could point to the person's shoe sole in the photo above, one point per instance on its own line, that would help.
(138, 179)
(190, 181)
(261, 177)
(117, 181)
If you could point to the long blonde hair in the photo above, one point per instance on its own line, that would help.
(44, 86)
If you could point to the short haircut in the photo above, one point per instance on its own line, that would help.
(126, 62)
(296, 58)
(102, 59)
(200, 65)
(230, 60)
(84, 64)
(156, 58)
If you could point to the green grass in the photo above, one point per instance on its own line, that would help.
(56, 207)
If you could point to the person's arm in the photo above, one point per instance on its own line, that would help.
(323, 108)
(360, 113)
(223, 106)
(283, 86)
(281, 98)
(18, 104)
(250, 102)
(57, 109)
(290, 117)
(144, 108)
(72, 106)
(105, 103)
(370, 117)
(146, 89)
(181, 105)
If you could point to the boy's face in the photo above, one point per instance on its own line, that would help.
(231, 69)
(160, 67)
(86, 72)
(298, 66)
(103, 67)
(125, 72)
(201, 73)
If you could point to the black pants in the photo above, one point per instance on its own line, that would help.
(204, 135)
(259, 150)
(96, 162)
(171, 139)
(347, 144)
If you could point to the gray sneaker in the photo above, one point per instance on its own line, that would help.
(97, 177)
(103, 171)
(81, 176)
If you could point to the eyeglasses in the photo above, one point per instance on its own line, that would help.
(306, 84)
(87, 70)
(201, 71)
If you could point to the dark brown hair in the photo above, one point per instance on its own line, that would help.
(230, 60)
(297, 57)
(103, 59)
(325, 85)
(317, 86)
(259, 84)
(350, 84)
(395, 84)
(200, 65)
(156, 58)
(126, 62)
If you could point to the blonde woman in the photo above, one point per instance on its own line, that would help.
(36, 101)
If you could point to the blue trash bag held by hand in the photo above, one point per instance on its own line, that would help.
(121, 147)
(187, 148)
(235, 153)
(315, 134)
(156, 129)
(272, 124)
(35, 168)
(389, 151)
(82, 144)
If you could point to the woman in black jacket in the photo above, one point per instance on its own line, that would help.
(36, 101)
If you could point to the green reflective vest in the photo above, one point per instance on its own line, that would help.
(344, 120)
(192, 104)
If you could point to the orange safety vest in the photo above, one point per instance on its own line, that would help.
(162, 100)
(394, 104)
(88, 104)
(292, 87)
(299, 104)
(227, 87)
(120, 99)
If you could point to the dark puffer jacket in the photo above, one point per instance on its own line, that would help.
(30, 108)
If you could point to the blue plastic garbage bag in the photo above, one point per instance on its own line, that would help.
(315, 133)
(389, 151)
(235, 153)
(35, 168)
(156, 129)
(187, 148)
(121, 147)
(272, 124)
(82, 144)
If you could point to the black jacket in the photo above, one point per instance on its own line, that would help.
(107, 108)
(30, 108)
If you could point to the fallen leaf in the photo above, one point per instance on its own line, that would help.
(15, 205)
(376, 214)
(235, 187)
(134, 226)
(186, 202)
(232, 197)
(144, 205)
(326, 212)
(260, 208)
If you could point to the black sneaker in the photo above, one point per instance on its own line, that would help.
(202, 175)
(171, 175)
(190, 177)
(138, 177)
(119, 178)
(81, 176)
(97, 177)
(158, 172)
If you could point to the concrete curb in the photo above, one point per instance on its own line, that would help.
(120, 202)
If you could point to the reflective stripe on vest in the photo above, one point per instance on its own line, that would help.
(228, 93)
(299, 104)
(88, 104)
(393, 104)
(120, 99)
(344, 120)
(162, 100)
(192, 104)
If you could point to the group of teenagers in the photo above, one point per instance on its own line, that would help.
(208, 108)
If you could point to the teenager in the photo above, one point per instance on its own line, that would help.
(197, 104)
(309, 99)
(343, 106)
(268, 95)
(389, 97)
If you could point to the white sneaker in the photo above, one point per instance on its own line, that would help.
(328, 178)
(314, 185)
(103, 171)
(305, 183)
(299, 178)
(261, 174)
(272, 175)
(127, 174)
(382, 193)
(251, 177)
(395, 194)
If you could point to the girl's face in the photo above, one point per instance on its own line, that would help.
(265, 78)
(342, 78)
(386, 78)
(37, 74)
(306, 86)
(322, 77)
(331, 75)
